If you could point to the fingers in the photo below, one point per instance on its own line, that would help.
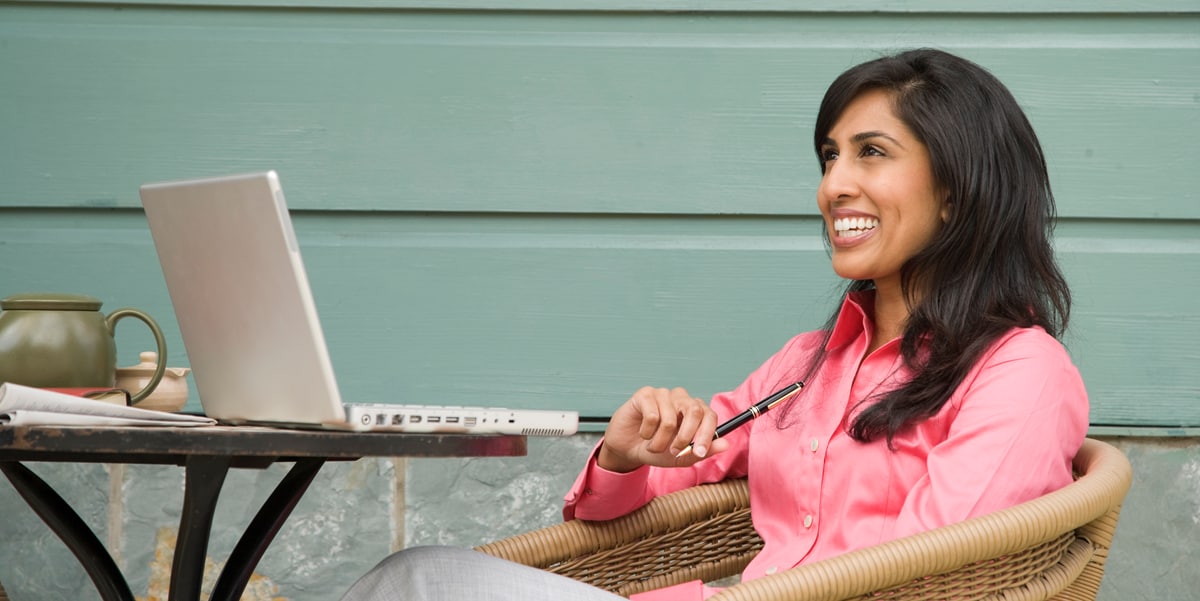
(669, 418)
(654, 425)
(691, 417)
(704, 435)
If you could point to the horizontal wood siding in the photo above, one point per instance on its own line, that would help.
(698, 6)
(554, 207)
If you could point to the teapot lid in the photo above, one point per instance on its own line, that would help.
(44, 301)
(149, 361)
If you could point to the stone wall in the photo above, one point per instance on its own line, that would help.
(351, 518)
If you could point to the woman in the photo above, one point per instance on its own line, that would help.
(936, 393)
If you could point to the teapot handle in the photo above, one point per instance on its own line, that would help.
(160, 368)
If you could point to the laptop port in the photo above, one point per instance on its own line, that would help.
(414, 419)
(397, 419)
(469, 421)
(452, 420)
(434, 419)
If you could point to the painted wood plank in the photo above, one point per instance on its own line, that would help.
(704, 6)
(543, 113)
(582, 310)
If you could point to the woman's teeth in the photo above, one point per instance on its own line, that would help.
(852, 226)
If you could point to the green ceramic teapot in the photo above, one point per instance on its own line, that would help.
(64, 341)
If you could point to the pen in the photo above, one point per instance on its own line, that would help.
(752, 412)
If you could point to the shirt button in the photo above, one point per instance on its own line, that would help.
(588, 491)
(814, 445)
(772, 570)
(808, 521)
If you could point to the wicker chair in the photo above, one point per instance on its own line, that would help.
(1053, 547)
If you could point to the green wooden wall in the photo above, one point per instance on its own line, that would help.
(529, 204)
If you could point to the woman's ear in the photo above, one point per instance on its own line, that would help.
(946, 208)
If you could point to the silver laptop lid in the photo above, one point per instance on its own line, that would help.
(242, 299)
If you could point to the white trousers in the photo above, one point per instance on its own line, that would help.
(456, 574)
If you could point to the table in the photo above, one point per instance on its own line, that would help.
(206, 454)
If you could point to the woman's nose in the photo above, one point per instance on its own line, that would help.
(837, 182)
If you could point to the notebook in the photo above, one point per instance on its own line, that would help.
(246, 313)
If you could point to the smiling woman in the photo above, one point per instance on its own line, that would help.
(878, 184)
(936, 392)
(937, 150)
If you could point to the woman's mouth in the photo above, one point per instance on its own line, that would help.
(854, 226)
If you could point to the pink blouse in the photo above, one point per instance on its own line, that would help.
(1007, 435)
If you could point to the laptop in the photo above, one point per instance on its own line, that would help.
(246, 313)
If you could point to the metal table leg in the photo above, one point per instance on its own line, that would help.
(204, 475)
(71, 529)
(262, 530)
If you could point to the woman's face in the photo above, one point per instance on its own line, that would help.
(878, 196)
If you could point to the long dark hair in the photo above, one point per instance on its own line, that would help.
(991, 266)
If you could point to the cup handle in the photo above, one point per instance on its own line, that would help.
(160, 368)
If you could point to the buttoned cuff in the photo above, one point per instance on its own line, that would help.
(600, 494)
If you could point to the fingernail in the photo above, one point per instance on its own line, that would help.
(700, 450)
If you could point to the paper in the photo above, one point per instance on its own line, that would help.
(28, 406)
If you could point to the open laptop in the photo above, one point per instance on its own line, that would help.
(249, 324)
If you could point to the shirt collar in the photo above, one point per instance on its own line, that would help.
(854, 318)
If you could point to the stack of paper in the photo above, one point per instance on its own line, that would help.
(27, 406)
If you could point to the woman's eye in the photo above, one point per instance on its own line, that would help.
(828, 154)
(870, 151)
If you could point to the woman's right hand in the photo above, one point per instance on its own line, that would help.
(653, 426)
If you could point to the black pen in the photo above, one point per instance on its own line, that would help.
(752, 412)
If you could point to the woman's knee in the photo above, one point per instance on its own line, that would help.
(401, 574)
